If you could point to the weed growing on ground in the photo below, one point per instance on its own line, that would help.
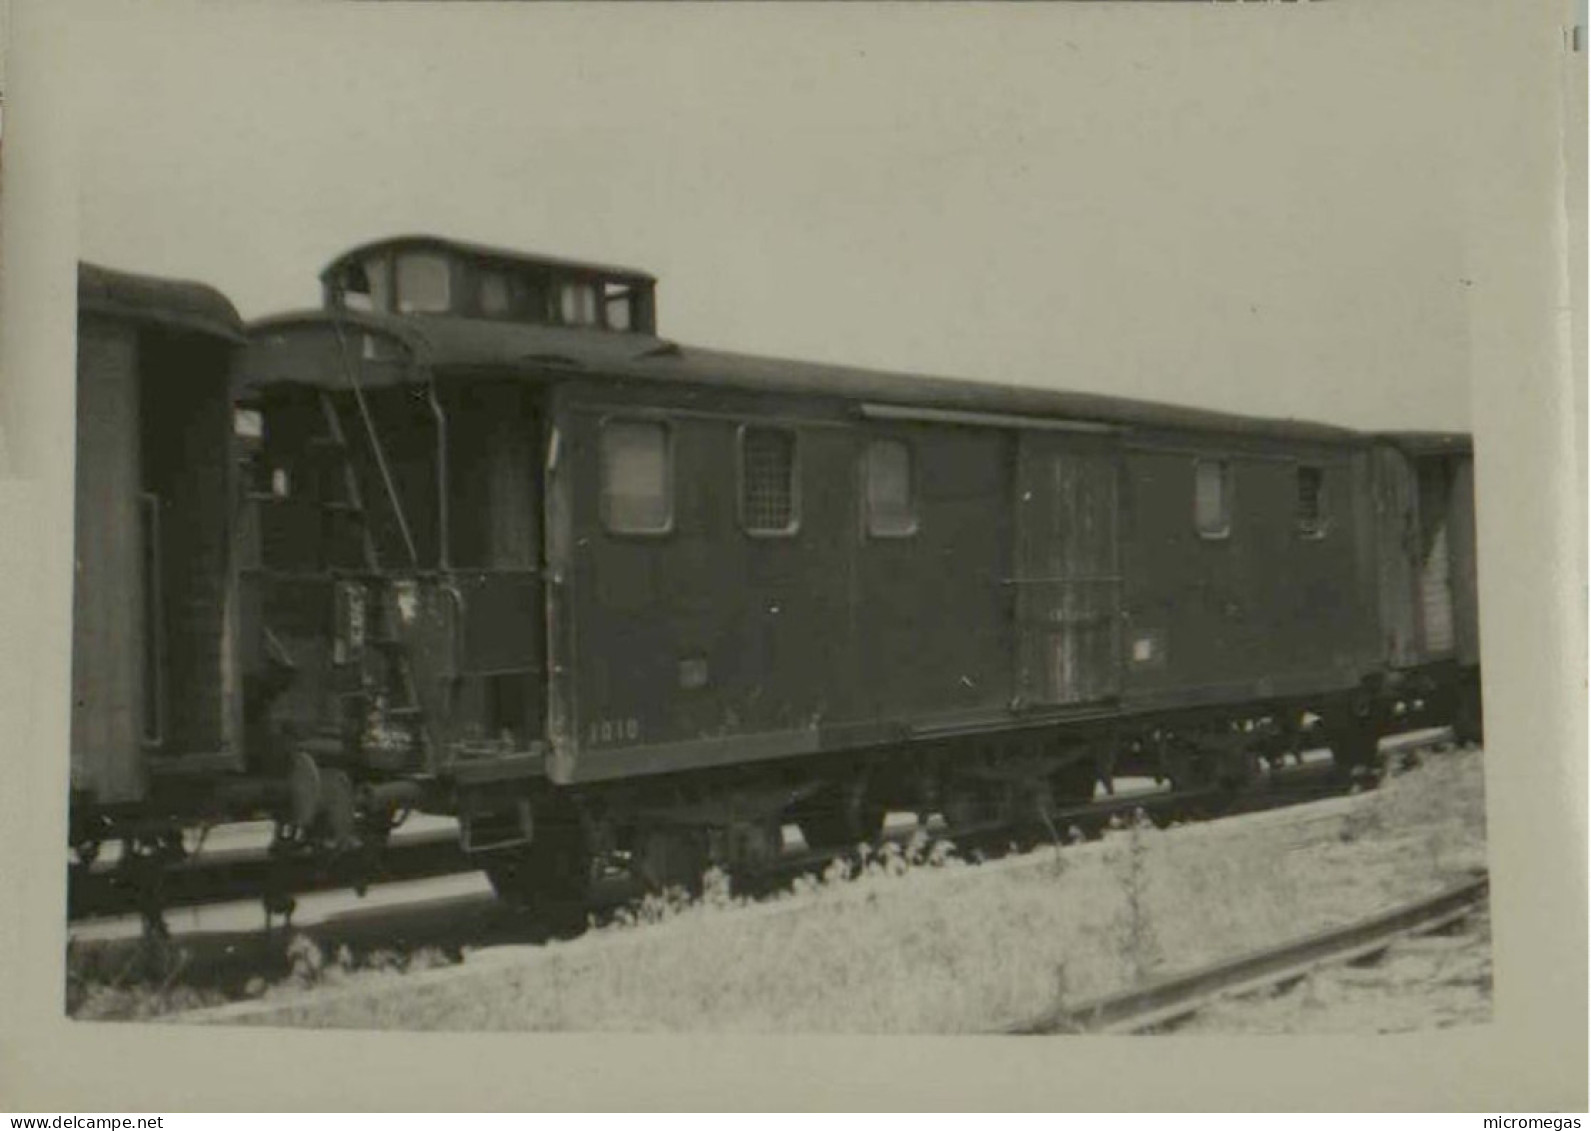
(306, 962)
(913, 940)
(1365, 821)
(151, 977)
(1135, 928)
(853, 872)
(144, 982)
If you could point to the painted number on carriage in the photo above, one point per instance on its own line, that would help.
(613, 730)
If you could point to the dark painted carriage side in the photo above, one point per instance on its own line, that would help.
(569, 574)
(1270, 598)
(154, 691)
(1054, 568)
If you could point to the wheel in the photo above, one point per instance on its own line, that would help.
(671, 856)
(1353, 734)
(1073, 785)
(1202, 769)
(1033, 807)
(504, 878)
(978, 814)
(550, 877)
(840, 817)
(1469, 723)
(1237, 770)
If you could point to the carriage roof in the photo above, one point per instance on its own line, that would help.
(479, 251)
(475, 345)
(1419, 444)
(173, 303)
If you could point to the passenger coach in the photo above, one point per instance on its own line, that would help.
(156, 712)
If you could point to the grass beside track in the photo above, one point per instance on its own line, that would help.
(923, 942)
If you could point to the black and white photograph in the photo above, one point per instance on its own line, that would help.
(785, 520)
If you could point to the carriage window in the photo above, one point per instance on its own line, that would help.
(248, 424)
(616, 301)
(424, 284)
(510, 294)
(637, 480)
(366, 286)
(890, 510)
(378, 274)
(577, 304)
(494, 294)
(769, 503)
(1212, 497)
(1312, 502)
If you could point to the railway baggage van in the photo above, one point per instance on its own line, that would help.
(473, 538)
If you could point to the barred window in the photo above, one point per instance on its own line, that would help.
(1312, 502)
(637, 477)
(769, 503)
(1212, 497)
(891, 511)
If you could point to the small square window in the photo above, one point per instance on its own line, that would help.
(424, 283)
(577, 304)
(494, 294)
(769, 503)
(248, 424)
(637, 477)
(616, 301)
(367, 285)
(1212, 497)
(1312, 502)
(891, 512)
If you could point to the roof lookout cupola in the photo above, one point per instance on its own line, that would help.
(430, 276)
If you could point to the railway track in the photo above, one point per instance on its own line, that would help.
(431, 850)
(231, 873)
(1170, 1000)
(221, 950)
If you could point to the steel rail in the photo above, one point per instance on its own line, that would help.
(221, 877)
(1179, 996)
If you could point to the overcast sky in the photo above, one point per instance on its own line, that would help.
(1255, 207)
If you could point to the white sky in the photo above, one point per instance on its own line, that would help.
(1256, 207)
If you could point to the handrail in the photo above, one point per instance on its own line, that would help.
(154, 602)
(441, 473)
(375, 443)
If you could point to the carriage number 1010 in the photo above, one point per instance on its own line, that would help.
(614, 730)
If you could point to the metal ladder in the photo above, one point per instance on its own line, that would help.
(351, 508)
